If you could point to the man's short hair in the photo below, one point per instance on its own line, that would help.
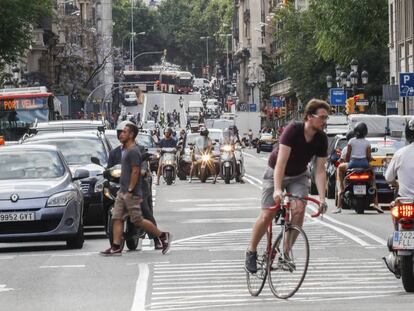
(133, 129)
(312, 107)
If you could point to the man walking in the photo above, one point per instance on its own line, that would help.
(129, 197)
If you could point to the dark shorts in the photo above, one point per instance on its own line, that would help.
(297, 185)
(358, 163)
(125, 205)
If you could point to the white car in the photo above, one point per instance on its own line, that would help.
(130, 99)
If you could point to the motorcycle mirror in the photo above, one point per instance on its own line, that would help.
(96, 161)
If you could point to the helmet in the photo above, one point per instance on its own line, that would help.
(168, 130)
(122, 124)
(203, 131)
(350, 134)
(234, 129)
(360, 130)
(409, 131)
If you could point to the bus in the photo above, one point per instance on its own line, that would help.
(184, 82)
(144, 80)
(20, 108)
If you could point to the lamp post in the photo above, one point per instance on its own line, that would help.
(133, 34)
(208, 66)
(227, 53)
(348, 81)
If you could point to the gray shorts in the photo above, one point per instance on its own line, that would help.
(297, 185)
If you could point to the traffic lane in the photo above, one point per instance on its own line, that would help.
(201, 208)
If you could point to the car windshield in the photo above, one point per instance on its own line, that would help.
(78, 151)
(385, 147)
(217, 136)
(144, 140)
(30, 165)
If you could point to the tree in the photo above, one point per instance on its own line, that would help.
(18, 17)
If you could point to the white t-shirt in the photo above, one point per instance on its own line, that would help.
(402, 165)
(343, 153)
(359, 148)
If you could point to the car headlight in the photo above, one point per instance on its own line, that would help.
(205, 157)
(60, 199)
(168, 162)
(227, 148)
(99, 186)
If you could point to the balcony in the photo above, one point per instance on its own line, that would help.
(281, 88)
(38, 40)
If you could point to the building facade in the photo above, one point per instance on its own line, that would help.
(401, 36)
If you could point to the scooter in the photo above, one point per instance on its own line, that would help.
(131, 234)
(169, 164)
(227, 163)
(401, 243)
(358, 189)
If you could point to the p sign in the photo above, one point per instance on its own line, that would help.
(406, 84)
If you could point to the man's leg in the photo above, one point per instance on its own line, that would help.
(117, 228)
(191, 171)
(159, 171)
(259, 229)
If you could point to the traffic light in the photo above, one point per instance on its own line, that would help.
(282, 112)
(350, 105)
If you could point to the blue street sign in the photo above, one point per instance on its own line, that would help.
(252, 107)
(406, 84)
(337, 97)
(276, 102)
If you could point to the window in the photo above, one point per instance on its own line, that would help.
(409, 53)
(392, 25)
(402, 57)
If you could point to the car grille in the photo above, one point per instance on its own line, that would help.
(28, 226)
(85, 187)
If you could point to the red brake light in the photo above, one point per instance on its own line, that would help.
(403, 211)
(337, 163)
(364, 176)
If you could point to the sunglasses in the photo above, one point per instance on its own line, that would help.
(323, 118)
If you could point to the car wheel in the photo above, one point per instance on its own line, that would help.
(76, 242)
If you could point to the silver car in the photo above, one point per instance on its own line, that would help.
(39, 198)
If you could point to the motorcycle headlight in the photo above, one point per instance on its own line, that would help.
(99, 186)
(205, 157)
(227, 148)
(116, 173)
(168, 162)
(60, 199)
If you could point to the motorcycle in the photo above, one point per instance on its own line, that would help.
(401, 242)
(169, 164)
(227, 163)
(131, 234)
(358, 189)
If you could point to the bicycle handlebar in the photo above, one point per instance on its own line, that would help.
(315, 214)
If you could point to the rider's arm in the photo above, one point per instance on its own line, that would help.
(279, 172)
(348, 153)
(320, 177)
(392, 170)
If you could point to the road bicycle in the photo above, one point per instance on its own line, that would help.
(283, 262)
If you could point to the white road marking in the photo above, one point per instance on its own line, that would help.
(62, 266)
(7, 257)
(219, 220)
(254, 178)
(252, 156)
(213, 200)
(216, 208)
(4, 288)
(141, 288)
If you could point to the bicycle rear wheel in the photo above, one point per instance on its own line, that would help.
(256, 281)
(288, 265)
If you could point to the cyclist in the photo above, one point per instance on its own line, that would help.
(288, 171)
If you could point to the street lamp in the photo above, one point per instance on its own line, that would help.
(208, 66)
(133, 34)
(227, 53)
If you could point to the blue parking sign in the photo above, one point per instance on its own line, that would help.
(252, 108)
(276, 102)
(406, 84)
(337, 97)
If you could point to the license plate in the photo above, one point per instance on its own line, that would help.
(17, 216)
(379, 170)
(360, 189)
(403, 240)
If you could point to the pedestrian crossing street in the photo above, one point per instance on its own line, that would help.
(222, 283)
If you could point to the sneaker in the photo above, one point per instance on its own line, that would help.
(112, 251)
(250, 264)
(165, 238)
(339, 210)
(157, 244)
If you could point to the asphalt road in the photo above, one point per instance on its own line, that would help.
(211, 225)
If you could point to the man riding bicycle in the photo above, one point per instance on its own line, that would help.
(288, 171)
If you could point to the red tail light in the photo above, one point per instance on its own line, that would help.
(337, 163)
(403, 211)
(364, 176)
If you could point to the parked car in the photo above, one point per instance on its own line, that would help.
(78, 148)
(40, 198)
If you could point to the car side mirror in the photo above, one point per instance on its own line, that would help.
(96, 161)
(80, 174)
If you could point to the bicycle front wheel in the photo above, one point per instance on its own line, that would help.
(256, 281)
(288, 262)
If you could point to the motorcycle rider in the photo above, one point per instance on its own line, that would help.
(167, 142)
(115, 157)
(204, 144)
(358, 155)
(181, 101)
(402, 167)
(235, 141)
(162, 117)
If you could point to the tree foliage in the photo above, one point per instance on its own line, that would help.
(16, 23)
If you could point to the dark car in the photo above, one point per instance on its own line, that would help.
(266, 142)
(78, 148)
(39, 197)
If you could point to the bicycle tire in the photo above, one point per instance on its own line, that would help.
(256, 281)
(286, 276)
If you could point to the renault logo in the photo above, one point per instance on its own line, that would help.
(14, 197)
